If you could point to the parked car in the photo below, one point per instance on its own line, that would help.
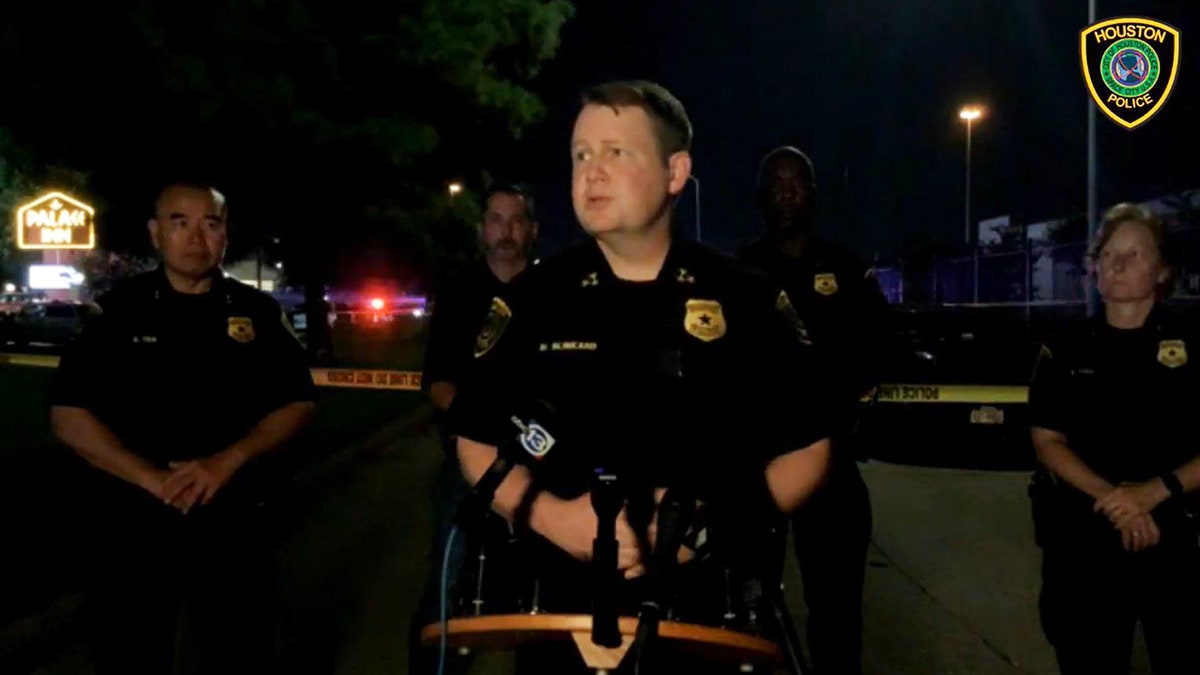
(11, 303)
(51, 323)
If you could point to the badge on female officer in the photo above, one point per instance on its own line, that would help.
(1113, 408)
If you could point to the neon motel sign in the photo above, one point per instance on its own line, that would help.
(56, 221)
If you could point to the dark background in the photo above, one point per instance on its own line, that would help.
(871, 91)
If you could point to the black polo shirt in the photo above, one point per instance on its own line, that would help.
(1127, 400)
(691, 377)
(178, 376)
(842, 307)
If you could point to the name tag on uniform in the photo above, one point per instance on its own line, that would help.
(145, 339)
(567, 346)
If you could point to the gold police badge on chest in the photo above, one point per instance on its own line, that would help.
(704, 319)
(497, 318)
(241, 328)
(1172, 353)
(825, 284)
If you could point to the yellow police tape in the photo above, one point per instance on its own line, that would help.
(396, 380)
(950, 393)
(403, 380)
(38, 360)
(407, 380)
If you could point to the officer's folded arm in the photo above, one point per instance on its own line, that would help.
(198, 481)
(272, 431)
(1138, 530)
(1053, 452)
(569, 524)
(442, 394)
(793, 477)
(188, 482)
(84, 433)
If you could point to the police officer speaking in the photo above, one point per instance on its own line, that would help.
(662, 362)
(843, 312)
(172, 396)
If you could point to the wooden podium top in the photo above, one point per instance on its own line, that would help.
(505, 631)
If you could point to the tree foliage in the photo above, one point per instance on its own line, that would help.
(332, 124)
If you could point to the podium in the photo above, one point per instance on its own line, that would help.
(507, 631)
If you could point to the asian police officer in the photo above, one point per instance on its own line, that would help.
(173, 397)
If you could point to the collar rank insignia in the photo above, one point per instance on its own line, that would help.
(494, 323)
(825, 284)
(592, 279)
(704, 320)
(1172, 353)
(685, 277)
(241, 328)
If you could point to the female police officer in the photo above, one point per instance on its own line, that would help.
(1114, 404)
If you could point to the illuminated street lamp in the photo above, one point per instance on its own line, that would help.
(970, 114)
(454, 189)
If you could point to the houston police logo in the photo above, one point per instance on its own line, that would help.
(1130, 65)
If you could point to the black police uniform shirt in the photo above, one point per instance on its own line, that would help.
(178, 376)
(458, 311)
(696, 378)
(1126, 399)
(842, 308)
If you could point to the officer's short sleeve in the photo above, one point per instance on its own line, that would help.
(501, 353)
(445, 341)
(1049, 396)
(80, 381)
(287, 378)
(791, 385)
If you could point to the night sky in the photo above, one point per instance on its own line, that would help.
(871, 91)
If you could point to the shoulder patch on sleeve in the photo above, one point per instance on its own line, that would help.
(287, 323)
(493, 327)
(783, 304)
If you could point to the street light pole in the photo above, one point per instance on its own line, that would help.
(970, 114)
(1091, 176)
(967, 200)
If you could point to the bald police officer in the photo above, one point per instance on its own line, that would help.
(173, 396)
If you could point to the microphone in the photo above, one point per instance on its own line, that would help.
(608, 498)
(676, 513)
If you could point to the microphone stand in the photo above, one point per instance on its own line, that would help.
(607, 501)
(675, 514)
